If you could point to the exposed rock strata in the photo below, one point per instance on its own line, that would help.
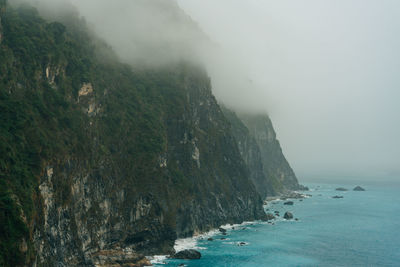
(269, 170)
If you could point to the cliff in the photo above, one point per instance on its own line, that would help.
(100, 164)
(2, 11)
(266, 184)
(275, 166)
(269, 170)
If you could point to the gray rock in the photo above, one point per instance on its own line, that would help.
(288, 215)
(358, 188)
(188, 254)
(288, 203)
(222, 230)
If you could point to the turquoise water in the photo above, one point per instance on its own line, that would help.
(362, 229)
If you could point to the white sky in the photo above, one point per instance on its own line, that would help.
(327, 71)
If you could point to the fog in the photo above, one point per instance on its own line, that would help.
(326, 71)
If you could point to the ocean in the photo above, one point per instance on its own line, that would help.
(360, 229)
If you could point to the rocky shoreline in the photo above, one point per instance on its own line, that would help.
(187, 249)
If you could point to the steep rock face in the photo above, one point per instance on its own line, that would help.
(202, 148)
(251, 154)
(275, 165)
(2, 10)
(100, 164)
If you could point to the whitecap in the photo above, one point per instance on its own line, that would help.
(185, 243)
(157, 259)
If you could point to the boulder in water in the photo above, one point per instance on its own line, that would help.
(187, 254)
(288, 203)
(337, 197)
(222, 230)
(358, 188)
(288, 215)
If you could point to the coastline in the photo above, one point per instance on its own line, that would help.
(182, 244)
(321, 237)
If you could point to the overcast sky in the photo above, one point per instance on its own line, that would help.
(327, 71)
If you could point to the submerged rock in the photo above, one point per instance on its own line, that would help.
(288, 215)
(210, 239)
(358, 188)
(341, 189)
(288, 203)
(188, 254)
(337, 197)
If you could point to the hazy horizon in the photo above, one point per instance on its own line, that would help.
(327, 71)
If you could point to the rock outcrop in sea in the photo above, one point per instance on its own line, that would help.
(358, 188)
(188, 254)
(288, 215)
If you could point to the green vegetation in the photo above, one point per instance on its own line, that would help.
(116, 134)
(43, 122)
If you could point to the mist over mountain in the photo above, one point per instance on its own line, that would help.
(318, 71)
(326, 71)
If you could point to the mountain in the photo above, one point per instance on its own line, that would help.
(275, 165)
(269, 170)
(102, 163)
(96, 158)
